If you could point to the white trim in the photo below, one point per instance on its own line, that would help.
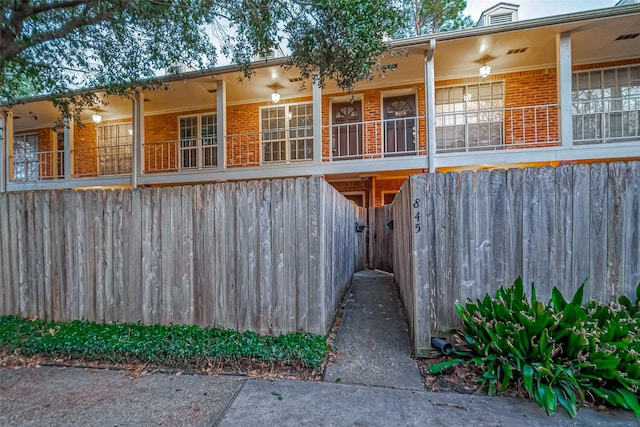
(199, 147)
(357, 193)
(385, 192)
(398, 93)
(286, 129)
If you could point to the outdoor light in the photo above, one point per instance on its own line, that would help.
(97, 118)
(485, 70)
(275, 97)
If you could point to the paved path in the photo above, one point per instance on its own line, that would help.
(373, 341)
(93, 397)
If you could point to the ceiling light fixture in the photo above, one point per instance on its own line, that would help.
(275, 95)
(97, 118)
(485, 70)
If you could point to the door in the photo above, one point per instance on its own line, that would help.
(347, 130)
(400, 124)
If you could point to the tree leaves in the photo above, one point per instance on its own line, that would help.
(62, 47)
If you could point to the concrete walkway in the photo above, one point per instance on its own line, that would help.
(51, 396)
(373, 340)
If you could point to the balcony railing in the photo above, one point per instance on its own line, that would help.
(104, 160)
(182, 155)
(375, 139)
(270, 147)
(601, 121)
(497, 129)
(36, 166)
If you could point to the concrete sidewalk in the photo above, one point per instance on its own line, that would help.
(372, 342)
(50, 396)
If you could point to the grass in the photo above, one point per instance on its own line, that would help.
(175, 346)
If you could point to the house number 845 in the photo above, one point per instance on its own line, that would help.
(416, 216)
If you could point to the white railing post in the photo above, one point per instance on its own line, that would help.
(430, 105)
(563, 77)
(7, 136)
(221, 121)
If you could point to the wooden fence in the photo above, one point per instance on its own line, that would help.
(466, 234)
(361, 240)
(269, 256)
(381, 238)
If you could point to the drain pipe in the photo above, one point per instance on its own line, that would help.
(441, 344)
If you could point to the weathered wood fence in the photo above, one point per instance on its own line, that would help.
(381, 238)
(269, 256)
(461, 235)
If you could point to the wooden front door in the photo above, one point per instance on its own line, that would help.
(400, 124)
(347, 130)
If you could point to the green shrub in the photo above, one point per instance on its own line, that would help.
(174, 346)
(559, 352)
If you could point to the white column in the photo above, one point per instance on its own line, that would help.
(430, 105)
(69, 126)
(137, 154)
(7, 137)
(563, 78)
(221, 121)
(317, 122)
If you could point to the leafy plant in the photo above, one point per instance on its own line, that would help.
(175, 346)
(560, 352)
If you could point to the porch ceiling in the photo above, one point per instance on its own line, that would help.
(458, 56)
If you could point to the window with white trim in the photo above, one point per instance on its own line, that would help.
(26, 166)
(114, 145)
(470, 116)
(287, 132)
(606, 105)
(198, 141)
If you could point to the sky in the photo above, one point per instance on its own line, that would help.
(530, 9)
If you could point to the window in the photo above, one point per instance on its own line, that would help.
(287, 133)
(26, 166)
(114, 149)
(470, 117)
(606, 105)
(198, 141)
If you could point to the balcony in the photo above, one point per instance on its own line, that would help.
(606, 121)
(497, 129)
(377, 139)
(493, 136)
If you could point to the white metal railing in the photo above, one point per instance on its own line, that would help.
(179, 155)
(37, 166)
(375, 139)
(497, 129)
(103, 160)
(269, 148)
(601, 121)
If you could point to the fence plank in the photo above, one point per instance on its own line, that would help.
(632, 229)
(615, 231)
(581, 212)
(497, 219)
(301, 231)
(6, 302)
(289, 253)
(562, 263)
(134, 237)
(598, 230)
(514, 224)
